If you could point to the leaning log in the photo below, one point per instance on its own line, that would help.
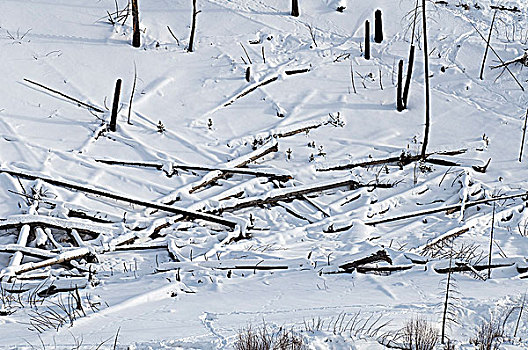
(147, 204)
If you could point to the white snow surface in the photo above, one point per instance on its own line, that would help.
(190, 108)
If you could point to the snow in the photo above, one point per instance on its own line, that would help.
(183, 285)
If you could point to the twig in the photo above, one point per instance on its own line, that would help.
(132, 94)
(243, 48)
(174, 36)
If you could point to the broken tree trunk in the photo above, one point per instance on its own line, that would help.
(450, 208)
(399, 98)
(367, 40)
(136, 36)
(290, 193)
(468, 268)
(158, 166)
(59, 259)
(34, 252)
(115, 106)
(147, 204)
(481, 76)
(402, 160)
(380, 255)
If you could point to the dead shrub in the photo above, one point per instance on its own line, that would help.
(419, 334)
(488, 335)
(263, 339)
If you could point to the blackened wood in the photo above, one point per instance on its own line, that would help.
(378, 27)
(367, 40)
(136, 36)
(410, 65)
(399, 97)
(115, 105)
(295, 8)
(193, 27)
(380, 255)
(248, 74)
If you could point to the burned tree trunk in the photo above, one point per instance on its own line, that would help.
(399, 97)
(193, 28)
(295, 8)
(378, 27)
(426, 77)
(367, 40)
(136, 37)
(115, 106)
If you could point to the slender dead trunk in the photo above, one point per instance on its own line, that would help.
(115, 105)
(446, 302)
(193, 27)
(487, 47)
(295, 8)
(491, 239)
(367, 40)
(136, 37)
(407, 86)
(426, 77)
(399, 98)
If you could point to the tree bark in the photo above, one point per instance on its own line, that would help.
(193, 27)
(136, 36)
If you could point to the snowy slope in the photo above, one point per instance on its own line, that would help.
(317, 122)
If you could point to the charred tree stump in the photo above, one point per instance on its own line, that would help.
(115, 106)
(378, 27)
(399, 97)
(136, 37)
(248, 74)
(295, 8)
(408, 77)
(367, 40)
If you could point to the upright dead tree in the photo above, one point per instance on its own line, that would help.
(367, 40)
(410, 64)
(378, 27)
(193, 27)
(295, 8)
(426, 77)
(136, 37)
(115, 105)
(447, 314)
(399, 98)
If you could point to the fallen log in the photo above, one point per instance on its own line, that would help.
(59, 259)
(241, 162)
(451, 208)
(504, 8)
(401, 160)
(380, 255)
(254, 172)
(63, 224)
(468, 268)
(147, 204)
(290, 193)
(383, 269)
(253, 267)
(65, 96)
(34, 252)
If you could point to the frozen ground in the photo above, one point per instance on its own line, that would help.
(188, 109)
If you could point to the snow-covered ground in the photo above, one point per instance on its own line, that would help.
(197, 109)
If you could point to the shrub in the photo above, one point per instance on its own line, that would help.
(263, 339)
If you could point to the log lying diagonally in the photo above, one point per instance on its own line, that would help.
(454, 207)
(239, 171)
(58, 259)
(402, 160)
(289, 194)
(147, 204)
